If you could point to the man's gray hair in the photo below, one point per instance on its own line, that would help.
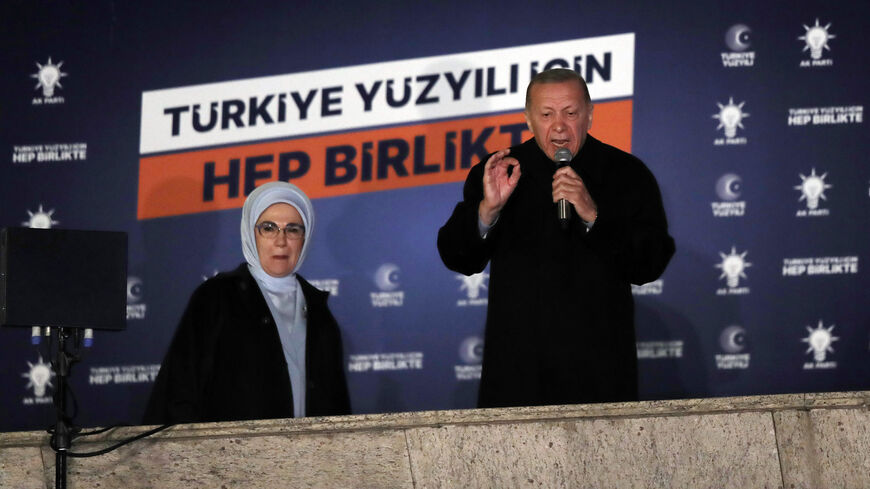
(557, 75)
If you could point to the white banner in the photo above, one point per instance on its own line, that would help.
(378, 94)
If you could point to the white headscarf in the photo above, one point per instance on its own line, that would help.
(283, 295)
(257, 202)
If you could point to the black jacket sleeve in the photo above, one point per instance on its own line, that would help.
(460, 245)
(179, 386)
(631, 231)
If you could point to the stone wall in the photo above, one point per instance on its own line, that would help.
(812, 441)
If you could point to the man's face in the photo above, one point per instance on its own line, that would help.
(558, 116)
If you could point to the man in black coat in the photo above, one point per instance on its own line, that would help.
(560, 319)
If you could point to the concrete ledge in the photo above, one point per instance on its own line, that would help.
(788, 441)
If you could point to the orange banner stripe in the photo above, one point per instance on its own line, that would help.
(343, 164)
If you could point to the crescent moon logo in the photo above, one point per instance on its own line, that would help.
(733, 339)
(728, 187)
(471, 350)
(134, 290)
(387, 277)
(737, 37)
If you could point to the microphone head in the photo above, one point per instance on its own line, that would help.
(563, 155)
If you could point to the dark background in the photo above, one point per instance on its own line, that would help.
(113, 51)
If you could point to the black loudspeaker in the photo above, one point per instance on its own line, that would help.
(63, 278)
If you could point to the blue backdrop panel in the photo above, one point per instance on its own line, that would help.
(750, 116)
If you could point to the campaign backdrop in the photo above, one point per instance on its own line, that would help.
(158, 118)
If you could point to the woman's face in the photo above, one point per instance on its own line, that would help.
(278, 255)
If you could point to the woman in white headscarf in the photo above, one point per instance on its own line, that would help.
(258, 342)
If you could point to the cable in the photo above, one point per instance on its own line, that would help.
(68, 359)
(117, 445)
(103, 430)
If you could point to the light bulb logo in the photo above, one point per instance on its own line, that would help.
(820, 340)
(730, 117)
(40, 219)
(816, 39)
(48, 77)
(39, 377)
(813, 188)
(214, 273)
(473, 284)
(733, 266)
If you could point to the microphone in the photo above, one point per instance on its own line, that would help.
(563, 156)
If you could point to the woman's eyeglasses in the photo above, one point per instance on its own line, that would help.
(269, 229)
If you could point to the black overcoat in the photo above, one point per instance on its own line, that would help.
(560, 318)
(226, 363)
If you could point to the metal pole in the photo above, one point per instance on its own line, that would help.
(61, 437)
